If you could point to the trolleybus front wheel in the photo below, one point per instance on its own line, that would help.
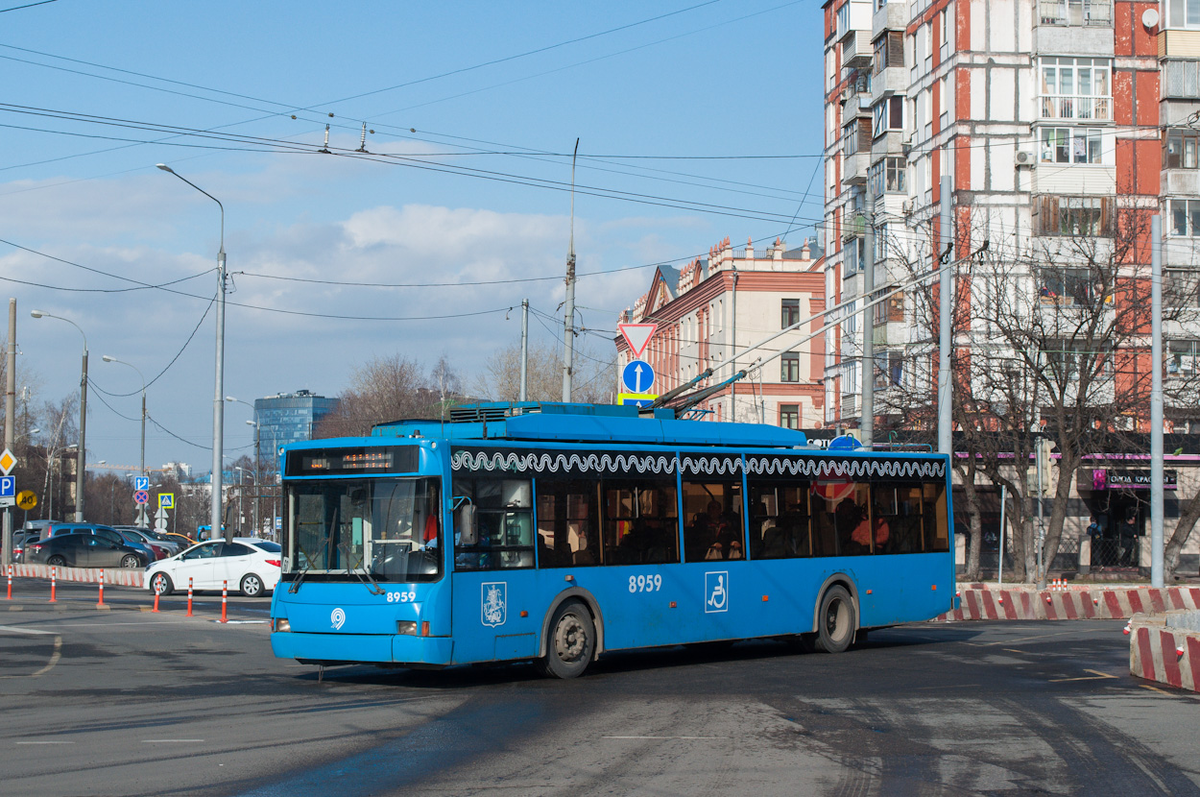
(571, 642)
(835, 620)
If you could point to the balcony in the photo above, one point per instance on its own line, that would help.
(1058, 106)
(854, 168)
(1095, 13)
(856, 49)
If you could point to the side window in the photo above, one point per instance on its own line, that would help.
(898, 518)
(852, 521)
(713, 514)
(503, 524)
(640, 522)
(234, 549)
(566, 534)
(933, 506)
(206, 551)
(779, 520)
(840, 525)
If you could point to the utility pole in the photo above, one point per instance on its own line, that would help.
(569, 321)
(523, 395)
(945, 415)
(733, 346)
(866, 425)
(1156, 405)
(10, 415)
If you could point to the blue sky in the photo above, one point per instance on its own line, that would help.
(697, 121)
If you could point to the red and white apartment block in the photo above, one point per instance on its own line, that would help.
(714, 308)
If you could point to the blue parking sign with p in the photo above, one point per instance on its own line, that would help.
(8, 486)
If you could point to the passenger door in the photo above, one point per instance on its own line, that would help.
(233, 563)
(74, 549)
(100, 551)
(198, 564)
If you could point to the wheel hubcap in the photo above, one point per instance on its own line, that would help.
(570, 639)
(833, 618)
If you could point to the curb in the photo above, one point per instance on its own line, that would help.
(113, 576)
(1163, 649)
(1024, 602)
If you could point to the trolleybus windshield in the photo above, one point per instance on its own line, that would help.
(388, 528)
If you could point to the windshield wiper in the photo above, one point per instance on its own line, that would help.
(295, 587)
(373, 587)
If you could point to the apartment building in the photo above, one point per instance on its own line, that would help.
(713, 309)
(1062, 126)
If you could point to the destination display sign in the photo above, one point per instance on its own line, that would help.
(373, 459)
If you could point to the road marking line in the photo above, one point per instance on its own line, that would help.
(171, 741)
(54, 657)
(638, 738)
(1097, 676)
(17, 630)
(45, 743)
(1155, 689)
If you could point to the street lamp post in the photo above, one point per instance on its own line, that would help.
(258, 457)
(55, 454)
(81, 461)
(218, 402)
(257, 462)
(257, 477)
(142, 464)
(241, 498)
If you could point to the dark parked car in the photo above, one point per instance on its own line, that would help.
(107, 532)
(84, 550)
(20, 538)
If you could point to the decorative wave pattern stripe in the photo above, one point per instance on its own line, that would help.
(854, 469)
(555, 463)
(804, 467)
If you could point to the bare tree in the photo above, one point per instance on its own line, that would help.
(385, 389)
(1051, 339)
(592, 383)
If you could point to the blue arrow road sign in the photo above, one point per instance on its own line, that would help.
(8, 486)
(638, 376)
(141, 483)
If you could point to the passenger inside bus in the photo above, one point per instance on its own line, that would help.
(714, 535)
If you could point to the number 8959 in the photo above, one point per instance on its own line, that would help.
(645, 583)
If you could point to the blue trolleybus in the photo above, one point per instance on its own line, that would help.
(555, 532)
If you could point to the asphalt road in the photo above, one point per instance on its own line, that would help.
(123, 701)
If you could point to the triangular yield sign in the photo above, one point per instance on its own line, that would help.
(637, 336)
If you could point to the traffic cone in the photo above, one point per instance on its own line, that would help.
(224, 597)
(53, 583)
(189, 613)
(100, 603)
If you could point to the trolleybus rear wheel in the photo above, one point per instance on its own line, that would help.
(835, 620)
(571, 642)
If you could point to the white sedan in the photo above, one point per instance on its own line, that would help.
(246, 564)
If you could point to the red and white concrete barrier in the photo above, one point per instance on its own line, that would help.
(1091, 602)
(120, 576)
(1165, 652)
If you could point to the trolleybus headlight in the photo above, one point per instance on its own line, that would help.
(406, 627)
(281, 624)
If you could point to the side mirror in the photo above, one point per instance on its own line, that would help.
(465, 523)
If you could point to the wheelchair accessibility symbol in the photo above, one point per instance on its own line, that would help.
(716, 591)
